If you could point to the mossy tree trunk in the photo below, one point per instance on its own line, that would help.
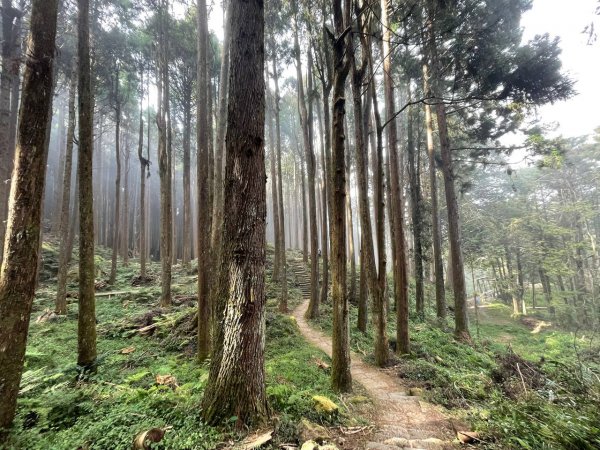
(18, 273)
(236, 384)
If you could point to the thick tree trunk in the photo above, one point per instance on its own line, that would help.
(61, 289)
(203, 205)
(18, 272)
(236, 384)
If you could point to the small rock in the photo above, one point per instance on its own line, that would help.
(415, 392)
(309, 445)
(313, 432)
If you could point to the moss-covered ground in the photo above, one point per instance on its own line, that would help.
(152, 380)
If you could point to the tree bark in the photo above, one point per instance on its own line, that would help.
(117, 214)
(61, 289)
(236, 384)
(144, 171)
(18, 272)
(283, 305)
(203, 205)
(340, 366)
(438, 265)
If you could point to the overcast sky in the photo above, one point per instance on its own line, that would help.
(568, 19)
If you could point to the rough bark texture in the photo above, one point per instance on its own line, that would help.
(18, 272)
(164, 166)
(86, 331)
(341, 377)
(7, 75)
(236, 384)
(61, 289)
(397, 219)
(202, 138)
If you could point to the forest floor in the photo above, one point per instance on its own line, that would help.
(148, 378)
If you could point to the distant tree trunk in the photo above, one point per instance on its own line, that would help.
(6, 80)
(304, 210)
(274, 191)
(144, 168)
(341, 377)
(125, 215)
(187, 181)
(236, 384)
(438, 265)
(461, 320)
(362, 305)
(61, 289)
(164, 166)
(417, 221)
(283, 306)
(306, 122)
(217, 224)
(86, 331)
(324, 218)
(18, 272)
(117, 216)
(203, 204)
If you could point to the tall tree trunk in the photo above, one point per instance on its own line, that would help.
(144, 167)
(341, 377)
(187, 180)
(116, 219)
(461, 321)
(416, 209)
(203, 205)
(86, 330)
(274, 191)
(325, 215)
(283, 306)
(18, 272)
(6, 78)
(125, 215)
(306, 122)
(397, 221)
(164, 166)
(61, 289)
(236, 384)
(438, 265)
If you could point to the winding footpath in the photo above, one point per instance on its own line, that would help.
(403, 421)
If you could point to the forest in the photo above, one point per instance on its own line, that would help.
(295, 224)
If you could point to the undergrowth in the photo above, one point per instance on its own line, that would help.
(150, 381)
(518, 388)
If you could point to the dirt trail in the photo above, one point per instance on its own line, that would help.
(403, 421)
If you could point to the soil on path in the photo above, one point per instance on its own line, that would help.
(403, 421)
